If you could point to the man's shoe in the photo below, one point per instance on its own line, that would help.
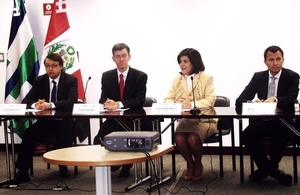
(258, 175)
(125, 172)
(115, 168)
(64, 172)
(278, 174)
(21, 177)
(96, 140)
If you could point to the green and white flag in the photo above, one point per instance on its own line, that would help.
(22, 62)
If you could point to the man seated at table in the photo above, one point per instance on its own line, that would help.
(122, 87)
(52, 91)
(278, 85)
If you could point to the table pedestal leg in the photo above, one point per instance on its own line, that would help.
(159, 180)
(8, 171)
(103, 180)
(138, 177)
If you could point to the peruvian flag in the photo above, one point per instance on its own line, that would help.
(58, 41)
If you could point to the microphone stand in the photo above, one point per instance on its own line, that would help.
(194, 110)
(86, 85)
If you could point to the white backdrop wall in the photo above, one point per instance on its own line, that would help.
(231, 36)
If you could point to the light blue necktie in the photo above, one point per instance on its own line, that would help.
(271, 90)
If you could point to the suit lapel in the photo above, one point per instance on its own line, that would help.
(184, 85)
(129, 81)
(281, 82)
(264, 85)
(61, 86)
(196, 81)
(45, 88)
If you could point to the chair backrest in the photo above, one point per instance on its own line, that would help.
(149, 101)
(223, 101)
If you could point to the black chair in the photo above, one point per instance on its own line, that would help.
(149, 101)
(225, 127)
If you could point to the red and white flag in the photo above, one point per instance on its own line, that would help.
(58, 40)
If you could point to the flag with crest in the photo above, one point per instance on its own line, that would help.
(58, 40)
(22, 64)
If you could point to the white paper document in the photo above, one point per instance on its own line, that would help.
(116, 110)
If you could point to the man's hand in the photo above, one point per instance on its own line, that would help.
(271, 99)
(111, 104)
(42, 105)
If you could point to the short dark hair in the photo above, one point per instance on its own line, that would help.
(55, 57)
(120, 46)
(195, 59)
(272, 49)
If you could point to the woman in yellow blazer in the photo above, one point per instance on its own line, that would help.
(191, 133)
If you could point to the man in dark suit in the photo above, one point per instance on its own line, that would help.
(47, 96)
(116, 92)
(285, 91)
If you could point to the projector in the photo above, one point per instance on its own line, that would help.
(131, 140)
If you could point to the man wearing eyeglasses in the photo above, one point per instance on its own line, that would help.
(52, 91)
(122, 87)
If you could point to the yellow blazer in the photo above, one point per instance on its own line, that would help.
(204, 91)
(203, 86)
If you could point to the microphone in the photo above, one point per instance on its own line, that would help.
(86, 85)
(195, 110)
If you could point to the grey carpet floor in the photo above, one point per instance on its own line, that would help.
(44, 180)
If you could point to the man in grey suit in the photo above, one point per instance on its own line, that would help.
(52, 91)
(116, 92)
(283, 83)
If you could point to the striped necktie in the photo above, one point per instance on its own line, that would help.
(271, 89)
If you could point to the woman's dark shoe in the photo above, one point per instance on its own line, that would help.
(198, 174)
(188, 175)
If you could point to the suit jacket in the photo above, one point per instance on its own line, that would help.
(204, 93)
(67, 93)
(287, 90)
(134, 90)
(203, 86)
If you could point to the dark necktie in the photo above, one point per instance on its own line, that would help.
(121, 86)
(271, 90)
(53, 93)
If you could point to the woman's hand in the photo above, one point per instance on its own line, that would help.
(185, 102)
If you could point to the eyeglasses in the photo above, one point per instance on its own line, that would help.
(51, 66)
(120, 56)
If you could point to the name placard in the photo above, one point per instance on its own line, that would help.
(12, 109)
(166, 108)
(86, 109)
(259, 108)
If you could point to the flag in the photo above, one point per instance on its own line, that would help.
(58, 40)
(22, 64)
